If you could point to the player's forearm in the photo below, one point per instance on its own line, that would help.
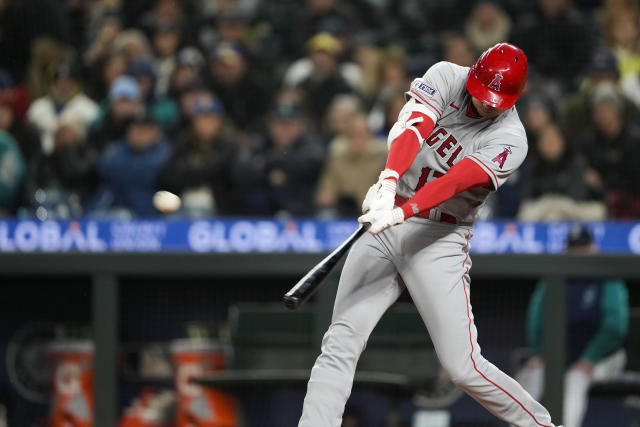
(405, 147)
(464, 175)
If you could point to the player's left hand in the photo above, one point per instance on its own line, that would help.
(382, 194)
(381, 220)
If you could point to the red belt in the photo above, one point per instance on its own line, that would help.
(444, 217)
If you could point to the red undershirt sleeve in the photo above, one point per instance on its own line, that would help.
(405, 147)
(464, 175)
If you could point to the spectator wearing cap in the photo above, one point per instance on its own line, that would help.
(597, 322)
(188, 72)
(166, 41)
(65, 102)
(199, 169)
(125, 101)
(246, 95)
(230, 24)
(331, 16)
(129, 171)
(324, 79)
(611, 148)
(274, 173)
(603, 70)
(302, 68)
(163, 110)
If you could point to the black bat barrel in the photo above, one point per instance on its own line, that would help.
(309, 284)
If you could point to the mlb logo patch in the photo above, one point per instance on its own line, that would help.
(423, 88)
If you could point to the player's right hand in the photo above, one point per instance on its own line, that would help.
(382, 194)
(381, 220)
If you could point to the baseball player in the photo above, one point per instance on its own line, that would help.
(456, 140)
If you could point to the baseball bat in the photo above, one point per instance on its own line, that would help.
(309, 284)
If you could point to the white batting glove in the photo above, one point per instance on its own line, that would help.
(382, 194)
(381, 220)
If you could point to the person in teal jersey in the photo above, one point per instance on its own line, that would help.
(597, 321)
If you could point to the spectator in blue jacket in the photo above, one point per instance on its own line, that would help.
(128, 171)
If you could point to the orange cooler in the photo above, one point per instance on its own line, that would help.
(200, 406)
(72, 388)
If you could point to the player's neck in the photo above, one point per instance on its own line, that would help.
(472, 112)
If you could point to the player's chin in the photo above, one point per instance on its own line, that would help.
(490, 112)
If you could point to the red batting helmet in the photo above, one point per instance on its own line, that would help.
(498, 77)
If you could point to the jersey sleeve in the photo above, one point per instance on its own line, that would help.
(434, 90)
(501, 156)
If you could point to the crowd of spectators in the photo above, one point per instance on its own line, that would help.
(281, 107)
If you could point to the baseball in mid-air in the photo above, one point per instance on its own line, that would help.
(166, 202)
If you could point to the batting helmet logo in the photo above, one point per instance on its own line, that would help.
(495, 83)
(498, 77)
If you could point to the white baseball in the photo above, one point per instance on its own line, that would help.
(166, 202)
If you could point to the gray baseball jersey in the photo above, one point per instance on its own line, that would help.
(497, 145)
(428, 258)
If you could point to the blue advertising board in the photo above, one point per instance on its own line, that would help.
(262, 235)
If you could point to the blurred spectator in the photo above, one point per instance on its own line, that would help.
(394, 78)
(25, 134)
(125, 101)
(133, 44)
(233, 26)
(554, 187)
(166, 40)
(274, 174)
(341, 111)
(487, 25)
(46, 55)
(60, 181)
(555, 40)
(353, 165)
(129, 171)
(598, 322)
(155, 12)
(603, 71)
(537, 110)
(12, 173)
(325, 16)
(612, 153)
(458, 49)
(163, 110)
(21, 23)
(305, 67)
(14, 96)
(245, 95)
(189, 68)
(199, 170)
(406, 22)
(368, 64)
(323, 79)
(65, 103)
(389, 111)
(102, 39)
(622, 36)
(274, 18)
(101, 76)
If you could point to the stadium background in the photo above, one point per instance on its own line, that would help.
(277, 111)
